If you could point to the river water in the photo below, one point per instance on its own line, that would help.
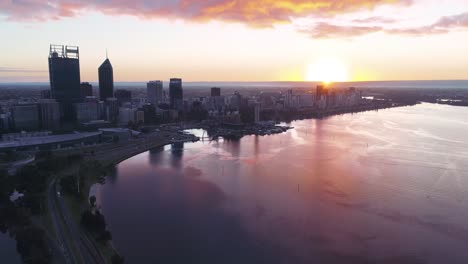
(8, 253)
(387, 186)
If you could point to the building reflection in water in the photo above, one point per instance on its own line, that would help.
(232, 146)
(177, 151)
(155, 155)
(112, 172)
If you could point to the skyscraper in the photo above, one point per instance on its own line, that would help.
(88, 110)
(106, 80)
(154, 91)
(26, 116)
(176, 95)
(112, 109)
(49, 114)
(64, 74)
(86, 89)
(123, 96)
(215, 91)
(321, 91)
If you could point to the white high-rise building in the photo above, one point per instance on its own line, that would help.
(154, 91)
(126, 115)
(87, 111)
(257, 112)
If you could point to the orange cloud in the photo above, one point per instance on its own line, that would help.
(326, 30)
(251, 12)
(329, 30)
(443, 25)
(375, 19)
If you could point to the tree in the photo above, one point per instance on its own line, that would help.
(105, 236)
(92, 201)
(117, 259)
(94, 223)
(32, 246)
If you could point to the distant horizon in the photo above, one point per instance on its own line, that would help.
(329, 41)
(409, 84)
(164, 80)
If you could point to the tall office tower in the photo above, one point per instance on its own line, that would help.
(176, 95)
(150, 114)
(112, 109)
(49, 114)
(86, 89)
(140, 117)
(123, 96)
(5, 121)
(102, 113)
(257, 112)
(215, 91)
(106, 80)
(288, 98)
(321, 91)
(26, 116)
(154, 90)
(64, 74)
(88, 110)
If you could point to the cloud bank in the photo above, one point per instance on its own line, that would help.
(329, 30)
(255, 13)
(251, 12)
(9, 70)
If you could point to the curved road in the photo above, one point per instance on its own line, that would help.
(58, 226)
(63, 223)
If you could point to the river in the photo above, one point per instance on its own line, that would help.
(388, 186)
(8, 251)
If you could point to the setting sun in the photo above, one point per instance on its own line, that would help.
(327, 71)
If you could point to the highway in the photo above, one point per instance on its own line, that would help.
(112, 154)
(58, 226)
(64, 223)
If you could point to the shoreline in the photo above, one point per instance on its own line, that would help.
(113, 155)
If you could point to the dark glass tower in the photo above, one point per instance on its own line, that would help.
(64, 74)
(215, 91)
(86, 89)
(106, 80)
(176, 95)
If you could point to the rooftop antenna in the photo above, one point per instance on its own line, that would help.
(106, 55)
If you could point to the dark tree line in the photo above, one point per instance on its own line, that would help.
(15, 216)
(94, 222)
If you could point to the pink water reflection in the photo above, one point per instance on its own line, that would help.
(386, 187)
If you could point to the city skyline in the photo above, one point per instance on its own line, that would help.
(288, 41)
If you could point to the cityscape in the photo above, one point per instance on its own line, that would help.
(234, 132)
(71, 105)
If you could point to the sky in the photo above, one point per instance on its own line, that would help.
(240, 40)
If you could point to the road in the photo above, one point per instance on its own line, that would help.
(58, 226)
(64, 223)
(111, 154)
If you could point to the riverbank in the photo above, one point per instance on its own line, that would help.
(103, 158)
(216, 129)
(109, 154)
(257, 200)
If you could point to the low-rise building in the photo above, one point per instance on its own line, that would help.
(26, 117)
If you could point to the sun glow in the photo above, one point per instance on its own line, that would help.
(327, 71)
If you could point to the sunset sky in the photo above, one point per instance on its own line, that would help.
(229, 40)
